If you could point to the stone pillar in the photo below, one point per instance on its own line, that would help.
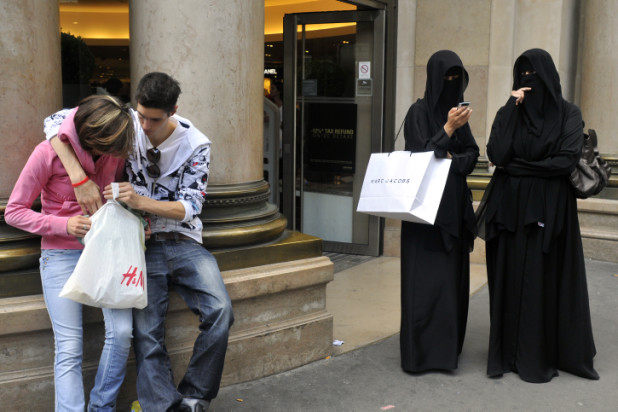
(30, 89)
(406, 38)
(216, 51)
(500, 77)
(30, 85)
(276, 278)
(598, 216)
(599, 78)
(551, 25)
(462, 26)
(519, 25)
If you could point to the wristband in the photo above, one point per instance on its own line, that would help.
(80, 183)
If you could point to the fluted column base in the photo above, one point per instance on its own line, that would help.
(239, 215)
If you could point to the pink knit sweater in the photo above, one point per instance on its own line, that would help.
(44, 175)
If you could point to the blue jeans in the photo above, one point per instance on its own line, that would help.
(194, 274)
(66, 317)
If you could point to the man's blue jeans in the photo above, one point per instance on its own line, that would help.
(193, 272)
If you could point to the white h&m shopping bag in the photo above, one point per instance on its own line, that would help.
(404, 185)
(111, 272)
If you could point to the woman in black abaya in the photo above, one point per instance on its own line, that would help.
(539, 311)
(435, 260)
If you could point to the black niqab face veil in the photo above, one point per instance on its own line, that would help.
(534, 100)
(452, 92)
(446, 82)
(541, 108)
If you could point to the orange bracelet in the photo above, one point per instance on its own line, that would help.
(80, 183)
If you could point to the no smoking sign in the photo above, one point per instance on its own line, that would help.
(364, 70)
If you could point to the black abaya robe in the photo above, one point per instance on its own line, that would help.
(539, 311)
(435, 260)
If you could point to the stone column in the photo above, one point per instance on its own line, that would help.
(216, 51)
(500, 77)
(599, 78)
(30, 85)
(30, 89)
(276, 278)
(406, 38)
(551, 25)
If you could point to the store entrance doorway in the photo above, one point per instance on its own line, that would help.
(332, 122)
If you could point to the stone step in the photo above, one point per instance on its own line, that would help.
(281, 323)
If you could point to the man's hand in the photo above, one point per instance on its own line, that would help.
(89, 197)
(126, 194)
(457, 117)
(169, 209)
(78, 226)
(519, 94)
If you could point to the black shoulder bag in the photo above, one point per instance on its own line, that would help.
(592, 172)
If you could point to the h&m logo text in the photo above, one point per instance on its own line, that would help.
(132, 278)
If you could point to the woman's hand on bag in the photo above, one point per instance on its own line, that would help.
(88, 196)
(126, 194)
(78, 226)
(457, 117)
(519, 94)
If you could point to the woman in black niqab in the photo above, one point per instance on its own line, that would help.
(539, 311)
(435, 260)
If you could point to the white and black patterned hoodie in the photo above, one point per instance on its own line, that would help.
(184, 165)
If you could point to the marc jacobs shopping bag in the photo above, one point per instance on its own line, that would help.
(111, 271)
(404, 185)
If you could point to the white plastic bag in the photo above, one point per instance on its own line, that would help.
(404, 185)
(111, 272)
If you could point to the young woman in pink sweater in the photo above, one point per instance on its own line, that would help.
(101, 132)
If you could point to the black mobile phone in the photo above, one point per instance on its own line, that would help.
(463, 104)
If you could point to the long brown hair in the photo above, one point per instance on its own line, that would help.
(104, 124)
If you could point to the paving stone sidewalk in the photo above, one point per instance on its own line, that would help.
(370, 379)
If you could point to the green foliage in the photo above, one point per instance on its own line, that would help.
(77, 60)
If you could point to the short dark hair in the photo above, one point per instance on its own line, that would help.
(159, 91)
(104, 124)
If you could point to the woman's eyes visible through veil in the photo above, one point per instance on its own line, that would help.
(451, 77)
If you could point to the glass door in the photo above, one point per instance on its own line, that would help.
(332, 122)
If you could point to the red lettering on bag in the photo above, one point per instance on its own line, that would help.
(132, 278)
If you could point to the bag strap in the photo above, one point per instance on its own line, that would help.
(397, 135)
(399, 131)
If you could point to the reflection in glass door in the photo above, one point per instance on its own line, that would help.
(333, 100)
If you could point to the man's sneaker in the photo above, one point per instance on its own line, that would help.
(193, 405)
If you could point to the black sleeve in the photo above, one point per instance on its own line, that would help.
(417, 132)
(500, 145)
(464, 159)
(564, 160)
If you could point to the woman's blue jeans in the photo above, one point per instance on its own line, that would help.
(195, 276)
(56, 266)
